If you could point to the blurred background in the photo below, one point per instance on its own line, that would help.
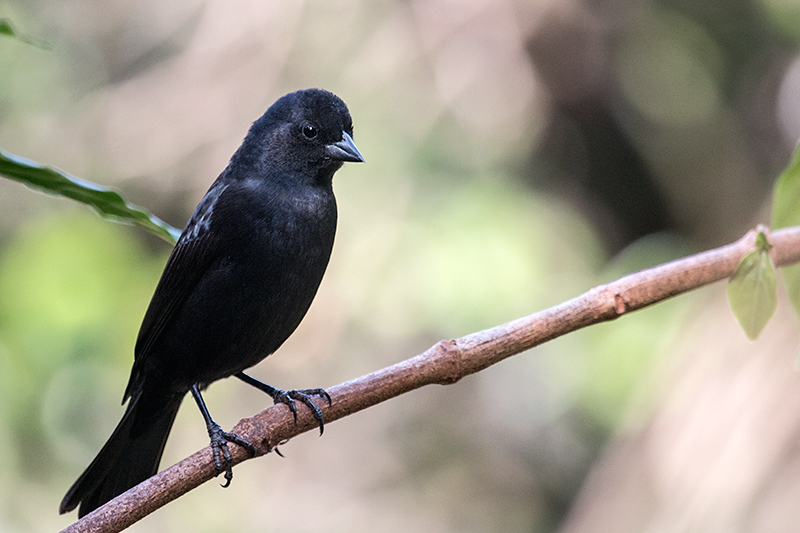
(518, 153)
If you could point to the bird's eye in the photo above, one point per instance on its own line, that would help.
(309, 131)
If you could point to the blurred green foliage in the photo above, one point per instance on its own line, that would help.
(7, 29)
(786, 212)
(474, 257)
(72, 289)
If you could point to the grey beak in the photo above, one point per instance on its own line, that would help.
(345, 150)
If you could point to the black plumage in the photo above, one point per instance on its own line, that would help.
(238, 283)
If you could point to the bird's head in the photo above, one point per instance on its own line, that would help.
(308, 133)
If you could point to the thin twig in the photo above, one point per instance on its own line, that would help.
(446, 362)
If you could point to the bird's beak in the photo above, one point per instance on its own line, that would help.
(345, 150)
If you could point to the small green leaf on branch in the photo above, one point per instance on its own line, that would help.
(752, 291)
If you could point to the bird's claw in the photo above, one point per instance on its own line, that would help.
(223, 460)
(304, 396)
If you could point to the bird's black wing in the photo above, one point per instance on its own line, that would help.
(196, 250)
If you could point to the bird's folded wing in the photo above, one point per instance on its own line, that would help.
(196, 251)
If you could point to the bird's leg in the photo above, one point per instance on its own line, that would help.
(288, 397)
(220, 439)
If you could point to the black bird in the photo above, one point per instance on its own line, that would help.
(238, 283)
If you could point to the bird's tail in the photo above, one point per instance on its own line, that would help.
(130, 455)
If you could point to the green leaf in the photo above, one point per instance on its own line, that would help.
(786, 199)
(108, 202)
(791, 279)
(8, 30)
(786, 212)
(752, 289)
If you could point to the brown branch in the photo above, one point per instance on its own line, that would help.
(446, 362)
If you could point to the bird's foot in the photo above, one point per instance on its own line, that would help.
(222, 455)
(288, 397)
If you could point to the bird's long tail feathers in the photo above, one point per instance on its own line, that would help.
(130, 456)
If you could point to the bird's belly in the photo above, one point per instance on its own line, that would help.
(235, 318)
